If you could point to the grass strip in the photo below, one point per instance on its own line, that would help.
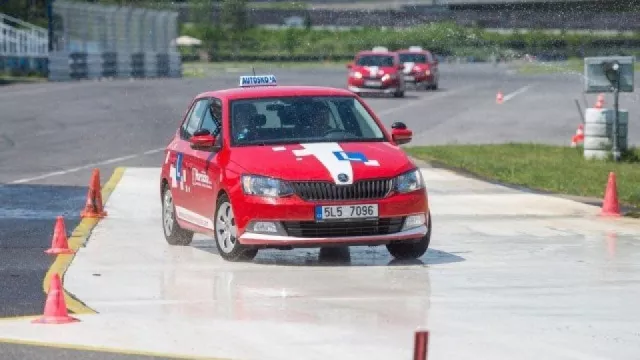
(556, 169)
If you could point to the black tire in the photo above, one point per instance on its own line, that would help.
(411, 250)
(173, 233)
(224, 224)
(399, 94)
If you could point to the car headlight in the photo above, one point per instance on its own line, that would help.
(409, 181)
(265, 186)
(389, 77)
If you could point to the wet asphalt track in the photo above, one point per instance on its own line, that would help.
(53, 135)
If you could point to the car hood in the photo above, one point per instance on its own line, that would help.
(375, 70)
(411, 66)
(324, 161)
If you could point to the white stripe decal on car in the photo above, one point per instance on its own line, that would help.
(192, 217)
(324, 152)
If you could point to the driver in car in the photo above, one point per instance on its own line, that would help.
(319, 120)
(243, 125)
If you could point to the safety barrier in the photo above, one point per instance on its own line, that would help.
(94, 41)
(598, 132)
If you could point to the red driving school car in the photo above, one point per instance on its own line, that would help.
(267, 166)
(376, 71)
(420, 67)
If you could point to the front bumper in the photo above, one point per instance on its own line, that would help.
(388, 90)
(279, 240)
(295, 223)
(419, 78)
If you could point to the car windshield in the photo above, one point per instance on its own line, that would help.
(375, 60)
(301, 119)
(415, 58)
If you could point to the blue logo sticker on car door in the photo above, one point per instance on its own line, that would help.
(179, 167)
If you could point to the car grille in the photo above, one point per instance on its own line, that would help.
(361, 190)
(306, 229)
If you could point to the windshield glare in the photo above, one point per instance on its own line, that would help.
(374, 60)
(415, 58)
(301, 120)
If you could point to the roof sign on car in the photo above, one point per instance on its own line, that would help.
(415, 48)
(258, 80)
(380, 49)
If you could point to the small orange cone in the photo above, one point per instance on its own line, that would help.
(94, 207)
(55, 308)
(610, 205)
(499, 98)
(59, 242)
(578, 138)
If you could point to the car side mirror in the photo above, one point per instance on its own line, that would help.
(349, 65)
(400, 134)
(203, 140)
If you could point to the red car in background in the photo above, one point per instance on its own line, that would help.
(420, 67)
(376, 71)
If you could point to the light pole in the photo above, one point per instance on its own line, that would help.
(50, 24)
(612, 72)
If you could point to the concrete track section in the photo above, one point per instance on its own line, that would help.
(509, 275)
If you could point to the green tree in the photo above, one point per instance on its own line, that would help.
(234, 15)
(307, 21)
(235, 20)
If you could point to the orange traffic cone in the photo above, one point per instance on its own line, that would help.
(610, 205)
(499, 98)
(94, 207)
(421, 345)
(55, 308)
(578, 138)
(600, 101)
(59, 243)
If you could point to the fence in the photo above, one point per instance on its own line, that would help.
(23, 47)
(95, 41)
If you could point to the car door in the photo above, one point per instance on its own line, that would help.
(205, 165)
(181, 160)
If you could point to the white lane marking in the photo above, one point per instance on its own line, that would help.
(87, 166)
(515, 93)
(422, 100)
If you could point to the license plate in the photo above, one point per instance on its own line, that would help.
(372, 83)
(341, 212)
(409, 78)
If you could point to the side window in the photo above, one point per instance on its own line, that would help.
(212, 120)
(192, 123)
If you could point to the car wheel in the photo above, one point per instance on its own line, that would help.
(399, 94)
(173, 233)
(411, 250)
(226, 234)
